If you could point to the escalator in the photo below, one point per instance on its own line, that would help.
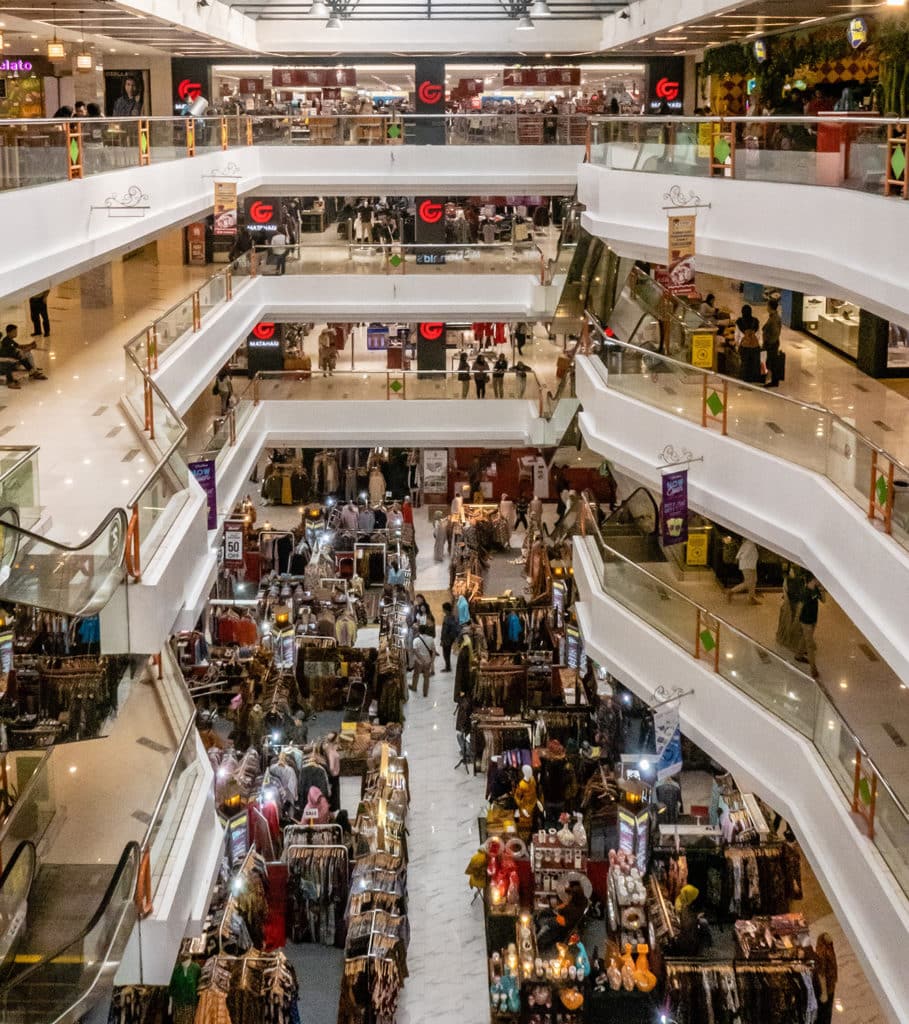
(633, 529)
(74, 580)
(69, 924)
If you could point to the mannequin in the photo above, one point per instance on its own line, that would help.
(182, 991)
(525, 796)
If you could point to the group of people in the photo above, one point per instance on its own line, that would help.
(481, 371)
(755, 355)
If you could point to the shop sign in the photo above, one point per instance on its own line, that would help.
(314, 78)
(435, 470)
(702, 343)
(665, 91)
(225, 208)
(430, 93)
(627, 830)
(233, 542)
(431, 331)
(857, 33)
(678, 277)
(204, 472)
(674, 516)
(696, 550)
(433, 259)
(237, 831)
(15, 64)
(760, 50)
(430, 211)
(251, 86)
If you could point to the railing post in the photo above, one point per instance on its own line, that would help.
(197, 312)
(256, 389)
(864, 793)
(190, 136)
(74, 149)
(228, 284)
(707, 638)
(249, 131)
(149, 409)
(880, 491)
(725, 404)
(871, 502)
(142, 898)
(131, 550)
(151, 349)
(232, 425)
(225, 133)
(144, 143)
(586, 143)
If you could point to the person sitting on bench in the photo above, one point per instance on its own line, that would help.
(12, 354)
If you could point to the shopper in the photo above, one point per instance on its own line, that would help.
(789, 629)
(37, 307)
(464, 374)
(771, 338)
(317, 810)
(327, 353)
(521, 370)
(520, 336)
(520, 508)
(12, 354)
(463, 711)
(396, 576)
(499, 368)
(420, 611)
(808, 619)
(424, 656)
(749, 346)
(463, 606)
(407, 511)
(451, 630)
(224, 389)
(747, 560)
(825, 977)
(279, 250)
(480, 375)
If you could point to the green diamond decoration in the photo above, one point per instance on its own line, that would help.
(721, 149)
(882, 490)
(707, 641)
(864, 792)
(898, 161)
(396, 386)
(714, 403)
(73, 151)
(143, 142)
(394, 131)
(395, 259)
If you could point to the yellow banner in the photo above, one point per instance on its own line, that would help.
(702, 346)
(225, 208)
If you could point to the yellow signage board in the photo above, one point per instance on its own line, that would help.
(702, 349)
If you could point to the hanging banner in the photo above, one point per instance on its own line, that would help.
(435, 471)
(225, 208)
(678, 277)
(233, 542)
(668, 734)
(204, 472)
(675, 507)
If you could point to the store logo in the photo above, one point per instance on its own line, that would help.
(857, 33)
(430, 212)
(432, 331)
(667, 89)
(760, 51)
(189, 91)
(429, 92)
(264, 330)
(261, 212)
(15, 65)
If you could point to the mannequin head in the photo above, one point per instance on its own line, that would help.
(527, 772)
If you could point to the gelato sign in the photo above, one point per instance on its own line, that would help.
(15, 65)
(675, 507)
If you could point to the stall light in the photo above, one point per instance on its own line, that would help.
(626, 697)
(524, 24)
(237, 885)
(319, 10)
(84, 62)
(540, 9)
(276, 737)
(55, 48)
(223, 773)
(896, 3)
(644, 764)
(269, 794)
(334, 23)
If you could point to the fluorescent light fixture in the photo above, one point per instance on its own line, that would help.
(540, 9)
(319, 10)
(524, 24)
(334, 23)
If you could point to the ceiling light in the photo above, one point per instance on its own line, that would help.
(524, 24)
(540, 9)
(55, 49)
(319, 10)
(896, 3)
(334, 22)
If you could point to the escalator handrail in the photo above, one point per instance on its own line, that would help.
(23, 846)
(115, 513)
(131, 851)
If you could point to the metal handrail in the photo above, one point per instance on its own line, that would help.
(591, 521)
(28, 452)
(776, 397)
(162, 797)
(598, 119)
(115, 513)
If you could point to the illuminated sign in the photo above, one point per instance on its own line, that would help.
(429, 92)
(15, 65)
(264, 330)
(667, 89)
(760, 51)
(857, 33)
(260, 212)
(430, 212)
(189, 91)
(432, 331)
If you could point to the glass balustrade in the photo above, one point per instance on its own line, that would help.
(778, 686)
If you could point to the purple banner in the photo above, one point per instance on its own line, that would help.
(675, 507)
(204, 472)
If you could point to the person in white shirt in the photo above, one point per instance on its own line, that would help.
(747, 559)
(424, 656)
(279, 250)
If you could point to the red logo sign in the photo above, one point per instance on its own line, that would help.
(429, 92)
(430, 212)
(189, 91)
(264, 330)
(260, 212)
(432, 331)
(667, 89)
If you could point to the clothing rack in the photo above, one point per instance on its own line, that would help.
(231, 905)
(294, 833)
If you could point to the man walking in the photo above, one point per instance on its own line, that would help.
(424, 655)
(37, 307)
(279, 250)
(808, 621)
(451, 630)
(747, 559)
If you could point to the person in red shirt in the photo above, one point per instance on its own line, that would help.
(407, 511)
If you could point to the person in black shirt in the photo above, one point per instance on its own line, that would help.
(451, 630)
(13, 354)
(813, 595)
(520, 509)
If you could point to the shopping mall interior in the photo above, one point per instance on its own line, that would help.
(455, 523)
